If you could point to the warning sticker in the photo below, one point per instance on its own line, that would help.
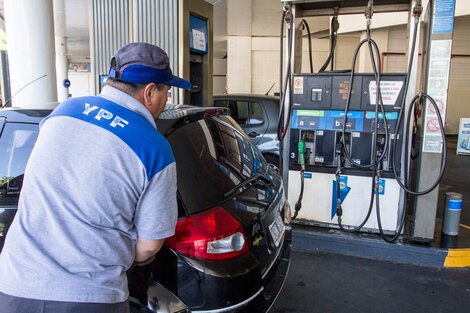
(298, 85)
(390, 91)
(432, 125)
(440, 106)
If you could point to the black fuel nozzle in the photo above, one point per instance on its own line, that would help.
(339, 147)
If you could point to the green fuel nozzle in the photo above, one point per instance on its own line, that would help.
(301, 149)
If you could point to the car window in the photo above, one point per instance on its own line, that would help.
(16, 144)
(256, 113)
(243, 112)
(211, 158)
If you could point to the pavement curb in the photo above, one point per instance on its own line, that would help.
(457, 258)
(336, 243)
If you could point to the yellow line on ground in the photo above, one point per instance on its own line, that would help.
(457, 258)
(464, 226)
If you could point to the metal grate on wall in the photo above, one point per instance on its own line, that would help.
(156, 22)
(118, 22)
(111, 30)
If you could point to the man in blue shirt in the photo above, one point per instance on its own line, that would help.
(99, 193)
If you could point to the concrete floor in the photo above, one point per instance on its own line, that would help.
(321, 282)
(456, 179)
(325, 283)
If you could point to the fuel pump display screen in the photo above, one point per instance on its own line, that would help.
(316, 94)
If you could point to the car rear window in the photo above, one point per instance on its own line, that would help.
(212, 157)
(16, 142)
(243, 112)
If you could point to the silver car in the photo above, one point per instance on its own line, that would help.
(258, 117)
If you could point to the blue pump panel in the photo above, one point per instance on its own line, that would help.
(327, 120)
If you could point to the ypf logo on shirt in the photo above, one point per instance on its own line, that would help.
(103, 114)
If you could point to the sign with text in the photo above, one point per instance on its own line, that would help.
(463, 141)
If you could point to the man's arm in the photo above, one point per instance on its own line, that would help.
(145, 249)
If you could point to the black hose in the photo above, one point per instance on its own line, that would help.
(369, 211)
(403, 185)
(373, 47)
(379, 103)
(310, 52)
(333, 35)
(298, 204)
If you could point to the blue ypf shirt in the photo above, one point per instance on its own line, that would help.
(99, 177)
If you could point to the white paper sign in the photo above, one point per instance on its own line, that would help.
(199, 40)
(390, 90)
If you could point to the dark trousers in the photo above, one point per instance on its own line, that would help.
(11, 304)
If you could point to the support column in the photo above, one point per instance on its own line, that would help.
(438, 61)
(30, 44)
(61, 61)
(239, 45)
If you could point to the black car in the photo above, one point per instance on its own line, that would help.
(229, 200)
(258, 117)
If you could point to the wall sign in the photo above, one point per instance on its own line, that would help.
(463, 141)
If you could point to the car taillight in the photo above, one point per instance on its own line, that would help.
(211, 235)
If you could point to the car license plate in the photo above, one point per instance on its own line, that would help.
(277, 229)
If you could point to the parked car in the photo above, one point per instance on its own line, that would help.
(258, 116)
(228, 197)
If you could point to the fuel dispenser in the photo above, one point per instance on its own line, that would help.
(317, 122)
(345, 135)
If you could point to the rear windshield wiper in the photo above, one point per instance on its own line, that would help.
(244, 185)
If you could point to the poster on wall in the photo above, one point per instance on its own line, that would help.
(463, 141)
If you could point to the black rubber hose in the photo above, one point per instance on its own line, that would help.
(404, 184)
(373, 47)
(298, 204)
(379, 103)
(369, 211)
(310, 50)
(332, 47)
(406, 134)
(393, 149)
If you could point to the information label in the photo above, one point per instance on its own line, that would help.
(390, 91)
(443, 17)
(438, 83)
(463, 141)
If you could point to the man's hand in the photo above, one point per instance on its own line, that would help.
(145, 249)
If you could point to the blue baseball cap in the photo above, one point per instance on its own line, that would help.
(143, 63)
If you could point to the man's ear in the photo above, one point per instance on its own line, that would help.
(149, 89)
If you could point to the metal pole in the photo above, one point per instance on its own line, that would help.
(451, 218)
(437, 76)
(31, 53)
(61, 50)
